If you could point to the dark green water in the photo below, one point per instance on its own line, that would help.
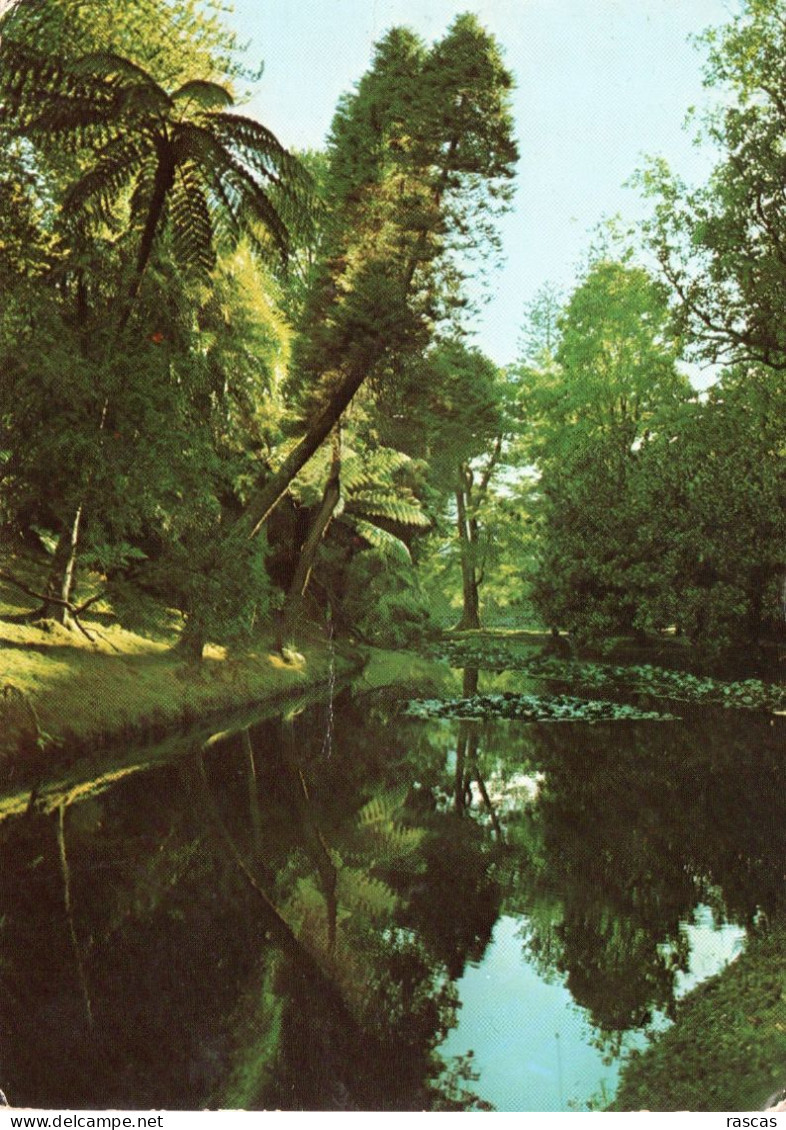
(325, 911)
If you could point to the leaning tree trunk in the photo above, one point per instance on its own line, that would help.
(269, 494)
(357, 368)
(293, 607)
(350, 364)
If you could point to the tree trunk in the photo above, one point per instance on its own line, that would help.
(316, 845)
(462, 791)
(253, 790)
(60, 583)
(469, 682)
(495, 824)
(269, 494)
(356, 369)
(293, 607)
(467, 532)
(192, 639)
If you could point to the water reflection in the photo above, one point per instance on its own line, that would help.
(267, 924)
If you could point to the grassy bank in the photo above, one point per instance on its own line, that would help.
(727, 1049)
(76, 712)
(65, 697)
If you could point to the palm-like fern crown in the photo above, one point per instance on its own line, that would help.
(178, 157)
(375, 500)
(372, 496)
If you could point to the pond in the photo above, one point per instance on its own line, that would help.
(349, 908)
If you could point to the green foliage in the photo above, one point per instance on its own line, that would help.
(721, 246)
(172, 39)
(367, 469)
(420, 158)
(540, 332)
(158, 153)
(385, 840)
(377, 514)
(453, 409)
(446, 407)
(452, 1090)
(214, 576)
(655, 507)
(138, 369)
(387, 544)
(384, 601)
(365, 894)
(379, 503)
(591, 414)
(717, 466)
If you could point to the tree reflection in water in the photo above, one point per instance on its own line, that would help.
(634, 826)
(242, 936)
(265, 925)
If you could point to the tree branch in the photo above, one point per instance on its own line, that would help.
(75, 610)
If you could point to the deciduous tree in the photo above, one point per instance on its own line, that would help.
(722, 247)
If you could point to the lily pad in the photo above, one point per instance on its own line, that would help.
(658, 682)
(530, 708)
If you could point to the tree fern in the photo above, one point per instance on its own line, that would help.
(182, 157)
(380, 810)
(378, 835)
(369, 495)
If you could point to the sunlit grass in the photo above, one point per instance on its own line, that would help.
(123, 683)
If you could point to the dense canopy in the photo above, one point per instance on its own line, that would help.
(241, 381)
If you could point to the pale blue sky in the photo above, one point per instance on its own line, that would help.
(600, 83)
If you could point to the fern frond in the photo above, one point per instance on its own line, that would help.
(383, 541)
(398, 843)
(262, 151)
(106, 179)
(29, 81)
(358, 890)
(76, 123)
(365, 471)
(207, 95)
(192, 229)
(133, 86)
(381, 504)
(140, 197)
(232, 182)
(379, 810)
(377, 833)
(388, 845)
(256, 143)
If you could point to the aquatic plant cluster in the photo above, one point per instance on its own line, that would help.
(660, 682)
(529, 708)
